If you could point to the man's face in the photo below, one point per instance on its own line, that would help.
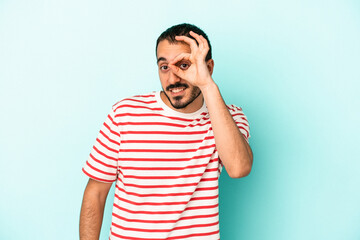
(180, 94)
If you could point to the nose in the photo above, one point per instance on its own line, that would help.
(173, 78)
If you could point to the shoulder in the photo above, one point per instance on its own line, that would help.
(236, 112)
(233, 108)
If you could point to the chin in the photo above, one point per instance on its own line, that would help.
(183, 100)
(179, 105)
(179, 102)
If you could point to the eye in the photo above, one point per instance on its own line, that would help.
(184, 66)
(164, 67)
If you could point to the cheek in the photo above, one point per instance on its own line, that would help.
(163, 78)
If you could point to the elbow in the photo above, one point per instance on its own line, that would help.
(242, 170)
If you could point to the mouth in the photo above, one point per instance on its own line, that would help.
(178, 90)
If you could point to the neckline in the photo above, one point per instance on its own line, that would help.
(173, 112)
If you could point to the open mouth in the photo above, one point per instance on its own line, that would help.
(177, 90)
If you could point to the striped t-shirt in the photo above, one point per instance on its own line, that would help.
(166, 169)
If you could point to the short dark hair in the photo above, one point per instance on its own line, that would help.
(182, 30)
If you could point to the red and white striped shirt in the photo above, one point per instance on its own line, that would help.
(166, 169)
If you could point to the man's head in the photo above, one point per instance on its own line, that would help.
(182, 30)
(179, 93)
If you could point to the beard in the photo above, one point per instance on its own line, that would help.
(177, 102)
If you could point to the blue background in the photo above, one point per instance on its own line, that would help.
(293, 66)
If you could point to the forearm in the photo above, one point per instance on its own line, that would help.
(233, 149)
(91, 216)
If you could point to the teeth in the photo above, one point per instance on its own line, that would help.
(176, 90)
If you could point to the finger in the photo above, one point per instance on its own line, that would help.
(206, 47)
(203, 44)
(178, 58)
(177, 71)
(175, 67)
(198, 39)
(191, 42)
(206, 44)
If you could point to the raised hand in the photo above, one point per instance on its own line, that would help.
(192, 67)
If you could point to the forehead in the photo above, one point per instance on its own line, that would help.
(168, 51)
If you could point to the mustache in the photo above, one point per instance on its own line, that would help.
(176, 85)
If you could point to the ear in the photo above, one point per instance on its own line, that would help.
(210, 65)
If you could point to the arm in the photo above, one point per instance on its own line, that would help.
(92, 209)
(236, 154)
(233, 149)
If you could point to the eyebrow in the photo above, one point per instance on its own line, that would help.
(161, 59)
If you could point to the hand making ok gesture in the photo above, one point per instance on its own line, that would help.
(192, 67)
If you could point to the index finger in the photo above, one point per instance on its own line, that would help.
(178, 58)
(191, 42)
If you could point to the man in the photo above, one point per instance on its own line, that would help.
(166, 149)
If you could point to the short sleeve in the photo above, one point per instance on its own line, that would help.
(240, 120)
(103, 160)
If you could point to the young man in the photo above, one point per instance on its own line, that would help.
(166, 149)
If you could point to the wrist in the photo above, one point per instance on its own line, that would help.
(208, 87)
